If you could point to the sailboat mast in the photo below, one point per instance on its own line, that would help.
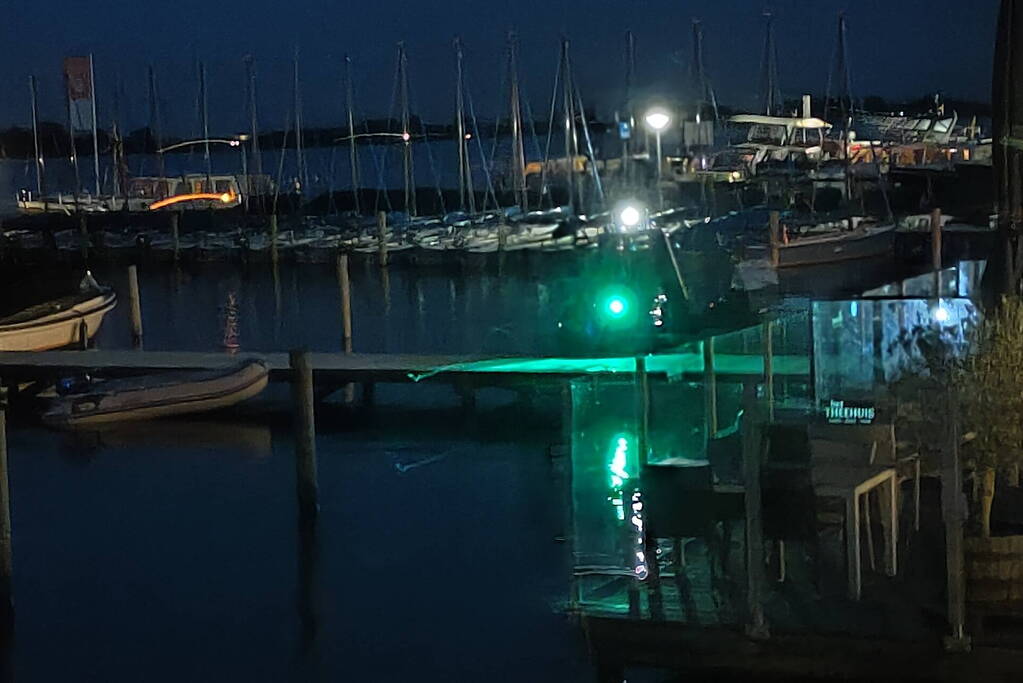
(460, 125)
(35, 134)
(770, 93)
(303, 176)
(95, 131)
(71, 140)
(518, 149)
(257, 157)
(406, 133)
(707, 96)
(630, 117)
(155, 125)
(569, 108)
(353, 152)
(204, 112)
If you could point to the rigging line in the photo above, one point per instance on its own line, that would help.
(280, 165)
(429, 153)
(532, 125)
(486, 167)
(544, 188)
(353, 148)
(589, 148)
(382, 158)
(497, 130)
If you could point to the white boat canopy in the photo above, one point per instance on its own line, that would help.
(785, 121)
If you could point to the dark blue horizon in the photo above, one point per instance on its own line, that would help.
(899, 52)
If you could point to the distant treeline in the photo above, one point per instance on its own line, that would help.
(16, 142)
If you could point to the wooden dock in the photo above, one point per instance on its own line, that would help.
(366, 367)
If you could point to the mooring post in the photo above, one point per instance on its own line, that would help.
(710, 390)
(954, 517)
(346, 314)
(775, 238)
(6, 556)
(305, 433)
(175, 219)
(936, 250)
(643, 409)
(752, 455)
(135, 308)
(502, 237)
(768, 341)
(382, 238)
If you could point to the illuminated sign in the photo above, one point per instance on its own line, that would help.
(839, 412)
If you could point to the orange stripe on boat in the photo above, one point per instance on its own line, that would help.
(227, 198)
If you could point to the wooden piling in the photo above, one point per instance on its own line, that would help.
(775, 238)
(954, 516)
(346, 301)
(643, 409)
(752, 456)
(710, 390)
(175, 220)
(346, 314)
(305, 434)
(6, 556)
(768, 342)
(936, 249)
(135, 308)
(382, 238)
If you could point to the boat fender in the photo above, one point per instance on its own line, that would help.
(784, 234)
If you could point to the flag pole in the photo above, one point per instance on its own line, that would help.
(95, 134)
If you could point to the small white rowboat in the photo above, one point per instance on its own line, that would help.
(56, 323)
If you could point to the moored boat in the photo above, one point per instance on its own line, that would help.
(832, 243)
(59, 322)
(160, 395)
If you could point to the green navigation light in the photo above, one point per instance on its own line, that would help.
(616, 306)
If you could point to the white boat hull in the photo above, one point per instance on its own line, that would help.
(59, 329)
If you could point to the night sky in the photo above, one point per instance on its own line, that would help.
(898, 49)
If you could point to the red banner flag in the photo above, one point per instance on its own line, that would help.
(78, 77)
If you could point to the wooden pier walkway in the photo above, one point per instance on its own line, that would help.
(366, 367)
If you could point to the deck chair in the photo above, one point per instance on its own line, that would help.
(880, 438)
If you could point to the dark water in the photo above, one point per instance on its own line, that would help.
(172, 552)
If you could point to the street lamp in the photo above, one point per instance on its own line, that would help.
(657, 120)
(630, 217)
